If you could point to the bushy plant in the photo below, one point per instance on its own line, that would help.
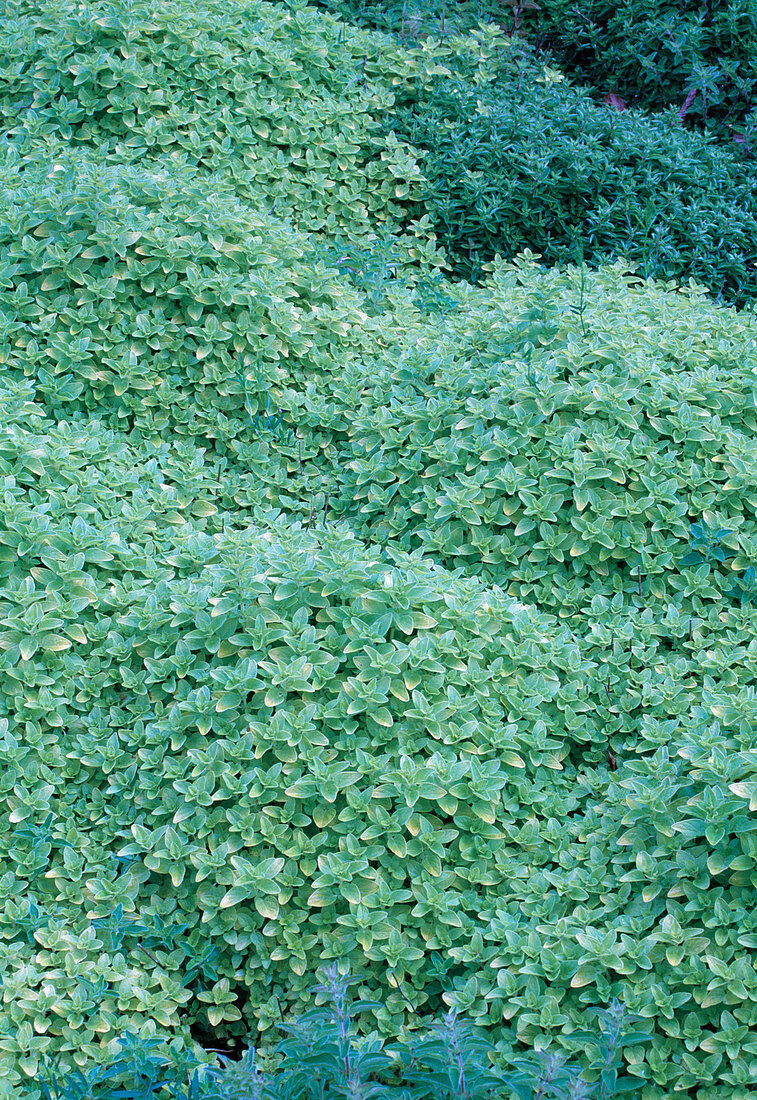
(519, 159)
(275, 100)
(550, 440)
(693, 57)
(224, 659)
(143, 298)
(340, 711)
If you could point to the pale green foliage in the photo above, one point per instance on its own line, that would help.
(322, 757)
(278, 100)
(410, 674)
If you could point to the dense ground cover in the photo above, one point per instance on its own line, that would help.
(349, 613)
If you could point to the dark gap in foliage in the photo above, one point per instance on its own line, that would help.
(226, 1039)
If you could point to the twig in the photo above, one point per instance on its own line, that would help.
(149, 954)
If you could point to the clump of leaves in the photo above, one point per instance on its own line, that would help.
(746, 590)
(620, 438)
(432, 295)
(369, 269)
(145, 1063)
(706, 545)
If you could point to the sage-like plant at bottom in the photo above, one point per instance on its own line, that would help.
(321, 1058)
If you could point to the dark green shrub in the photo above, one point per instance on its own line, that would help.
(524, 160)
(693, 57)
(653, 53)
